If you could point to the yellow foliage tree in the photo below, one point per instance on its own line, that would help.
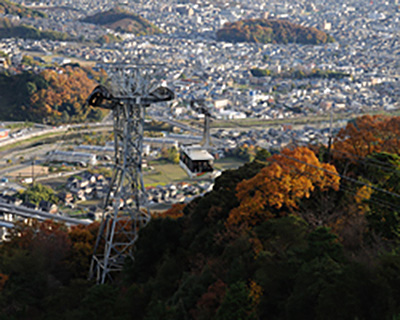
(255, 293)
(362, 194)
(290, 176)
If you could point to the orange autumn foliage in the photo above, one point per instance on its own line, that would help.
(38, 234)
(175, 212)
(369, 134)
(67, 89)
(256, 246)
(256, 292)
(363, 194)
(3, 279)
(210, 300)
(82, 243)
(290, 176)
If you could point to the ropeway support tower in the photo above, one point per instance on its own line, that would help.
(200, 106)
(131, 89)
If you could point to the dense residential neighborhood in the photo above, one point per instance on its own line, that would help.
(365, 51)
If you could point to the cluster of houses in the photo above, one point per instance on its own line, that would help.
(43, 205)
(179, 192)
(87, 186)
(278, 137)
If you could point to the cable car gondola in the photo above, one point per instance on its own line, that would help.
(196, 160)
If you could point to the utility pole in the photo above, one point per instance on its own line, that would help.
(131, 90)
(33, 172)
(330, 137)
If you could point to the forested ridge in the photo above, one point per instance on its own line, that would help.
(10, 29)
(123, 21)
(271, 31)
(52, 95)
(8, 7)
(306, 233)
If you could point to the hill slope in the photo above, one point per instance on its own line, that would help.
(7, 7)
(51, 95)
(16, 30)
(283, 237)
(123, 21)
(271, 31)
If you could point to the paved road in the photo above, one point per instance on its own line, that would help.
(177, 124)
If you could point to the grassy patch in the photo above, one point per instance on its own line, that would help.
(72, 212)
(90, 203)
(20, 125)
(164, 173)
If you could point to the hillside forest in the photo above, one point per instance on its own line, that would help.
(310, 232)
(56, 95)
(12, 29)
(11, 8)
(121, 20)
(271, 31)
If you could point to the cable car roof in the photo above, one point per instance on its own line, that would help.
(198, 154)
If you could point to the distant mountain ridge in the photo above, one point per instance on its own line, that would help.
(16, 30)
(123, 21)
(271, 31)
(7, 7)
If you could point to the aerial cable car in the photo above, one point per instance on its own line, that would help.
(195, 159)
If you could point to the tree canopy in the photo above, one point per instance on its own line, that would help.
(368, 134)
(271, 31)
(123, 21)
(289, 177)
(53, 95)
(286, 236)
(10, 29)
(8, 7)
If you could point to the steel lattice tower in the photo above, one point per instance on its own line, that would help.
(199, 105)
(132, 89)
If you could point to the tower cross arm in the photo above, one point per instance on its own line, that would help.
(103, 98)
(100, 97)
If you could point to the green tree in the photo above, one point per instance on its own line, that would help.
(173, 155)
(33, 259)
(31, 87)
(28, 60)
(262, 154)
(99, 302)
(39, 192)
(257, 72)
(236, 304)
